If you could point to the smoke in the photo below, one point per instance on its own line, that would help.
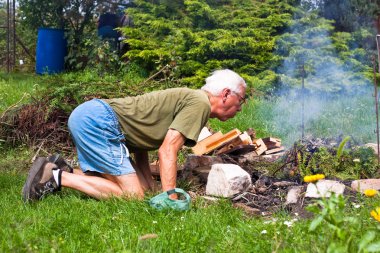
(325, 93)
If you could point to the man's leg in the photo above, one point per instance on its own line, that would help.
(105, 186)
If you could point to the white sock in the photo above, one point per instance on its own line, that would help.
(56, 176)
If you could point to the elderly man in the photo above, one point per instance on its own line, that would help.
(106, 131)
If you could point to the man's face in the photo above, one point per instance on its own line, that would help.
(230, 103)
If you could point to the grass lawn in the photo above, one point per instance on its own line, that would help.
(72, 222)
(16, 88)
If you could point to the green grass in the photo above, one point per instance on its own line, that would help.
(16, 88)
(71, 222)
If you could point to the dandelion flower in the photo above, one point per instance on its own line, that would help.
(376, 214)
(313, 178)
(370, 192)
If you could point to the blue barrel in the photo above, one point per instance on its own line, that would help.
(51, 51)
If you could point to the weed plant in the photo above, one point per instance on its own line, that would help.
(331, 213)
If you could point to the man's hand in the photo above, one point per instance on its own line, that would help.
(167, 155)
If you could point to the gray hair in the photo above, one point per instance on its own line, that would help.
(221, 79)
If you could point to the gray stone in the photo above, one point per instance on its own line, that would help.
(226, 180)
(194, 161)
(293, 195)
(252, 157)
(364, 184)
(373, 146)
(324, 188)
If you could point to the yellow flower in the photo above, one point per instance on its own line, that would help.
(313, 178)
(370, 192)
(376, 214)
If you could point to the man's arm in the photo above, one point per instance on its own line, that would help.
(142, 162)
(167, 155)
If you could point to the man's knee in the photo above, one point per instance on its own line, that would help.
(130, 185)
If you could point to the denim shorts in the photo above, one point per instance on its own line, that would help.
(96, 132)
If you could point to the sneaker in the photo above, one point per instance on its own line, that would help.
(40, 180)
(60, 162)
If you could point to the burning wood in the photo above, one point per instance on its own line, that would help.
(260, 146)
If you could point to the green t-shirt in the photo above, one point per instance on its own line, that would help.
(145, 119)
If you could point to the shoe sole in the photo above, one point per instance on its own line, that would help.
(38, 164)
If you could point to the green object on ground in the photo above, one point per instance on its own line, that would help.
(162, 201)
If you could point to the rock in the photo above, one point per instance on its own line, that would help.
(364, 184)
(201, 163)
(324, 188)
(373, 146)
(261, 190)
(283, 184)
(202, 173)
(226, 180)
(194, 161)
(293, 195)
(204, 134)
(252, 157)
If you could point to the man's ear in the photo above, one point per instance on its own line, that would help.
(224, 94)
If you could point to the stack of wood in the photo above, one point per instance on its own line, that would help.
(268, 145)
(236, 142)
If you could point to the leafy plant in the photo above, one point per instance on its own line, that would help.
(341, 147)
(199, 36)
(331, 216)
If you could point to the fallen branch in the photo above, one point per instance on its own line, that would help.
(14, 105)
(38, 150)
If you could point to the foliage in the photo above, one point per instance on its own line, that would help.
(72, 14)
(327, 62)
(78, 18)
(97, 55)
(331, 213)
(51, 98)
(77, 87)
(355, 163)
(341, 147)
(23, 53)
(200, 36)
(349, 15)
(2, 35)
